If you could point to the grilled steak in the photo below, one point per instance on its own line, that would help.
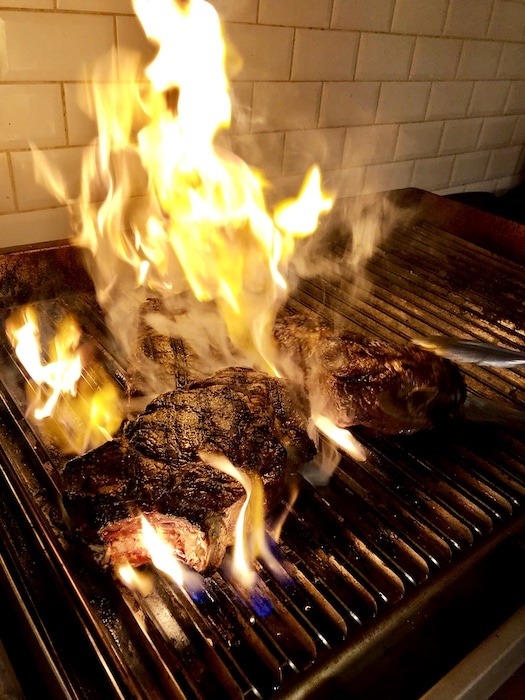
(153, 467)
(177, 344)
(358, 381)
(159, 362)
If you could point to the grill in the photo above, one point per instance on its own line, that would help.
(393, 571)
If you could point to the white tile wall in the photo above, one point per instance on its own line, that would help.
(346, 104)
(393, 176)
(508, 21)
(109, 6)
(263, 151)
(469, 167)
(460, 135)
(305, 148)
(31, 195)
(284, 106)
(81, 129)
(266, 51)
(489, 97)
(382, 93)
(403, 101)
(384, 57)
(34, 227)
(433, 173)
(479, 59)
(238, 10)
(497, 132)
(435, 58)
(346, 183)
(370, 144)
(364, 15)
(505, 160)
(419, 18)
(322, 55)
(296, 13)
(518, 138)
(31, 113)
(449, 99)
(468, 18)
(420, 140)
(516, 98)
(29, 4)
(512, 63)
(54, 46)
(7, 204)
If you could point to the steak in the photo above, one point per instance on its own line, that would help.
(153, 467)
(354, 380)
(159, 362)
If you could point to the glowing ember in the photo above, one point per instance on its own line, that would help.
(77, 409)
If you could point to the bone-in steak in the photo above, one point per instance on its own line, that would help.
(153, 466)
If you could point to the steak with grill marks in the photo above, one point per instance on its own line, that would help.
(153, 467)
(159, 363)
(359, 381)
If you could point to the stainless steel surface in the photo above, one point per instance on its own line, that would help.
(388, 566)
(9, 686)
(488, 666)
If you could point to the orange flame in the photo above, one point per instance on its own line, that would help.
(76, 409)
(163, 558)
(341, 437)
(201, 220)
(135, 580)
(250, 539)
(58, 376)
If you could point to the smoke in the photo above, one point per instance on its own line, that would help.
(347, 240)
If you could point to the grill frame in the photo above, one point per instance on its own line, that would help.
(391, 631)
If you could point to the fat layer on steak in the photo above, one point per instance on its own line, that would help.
(153, 467)
(355, 380)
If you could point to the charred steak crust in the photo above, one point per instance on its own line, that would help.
(159, 362)
(358, 381)
(153, 465)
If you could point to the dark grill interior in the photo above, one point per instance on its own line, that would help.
(390, 572)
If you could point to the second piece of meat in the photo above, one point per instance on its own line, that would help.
(360, 381)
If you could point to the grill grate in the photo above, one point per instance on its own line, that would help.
(359, 555)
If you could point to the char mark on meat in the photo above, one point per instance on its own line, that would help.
(153, 467)
(159, 362)
(359, 381)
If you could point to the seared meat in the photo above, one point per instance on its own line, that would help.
(358, 381)
(159, 363)
(177, 343)
(153, 466)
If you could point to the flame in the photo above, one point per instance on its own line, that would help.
(161, 554)
(76, 407)
(199, 217)
(163, 208)
(164, 559)
(319, 471)
(58, 376)
(135, 580)
(341, 437)
(250, 538)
